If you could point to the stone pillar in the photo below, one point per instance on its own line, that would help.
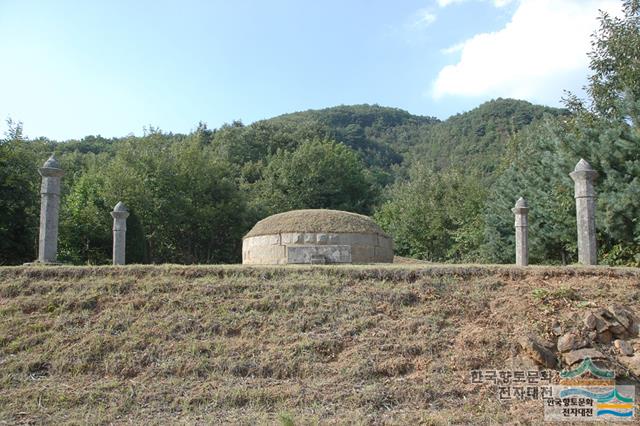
(522, 239)
(584, 177)
(120, 215)
(49, 210)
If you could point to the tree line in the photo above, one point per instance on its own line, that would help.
(442, 189)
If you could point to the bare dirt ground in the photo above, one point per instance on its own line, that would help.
(290, 345)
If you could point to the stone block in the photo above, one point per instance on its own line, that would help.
(322, 238)
(385, 242)
(333, 239)
(309, 238)
(623, 315)
(383, 254)
(291, 238)
(318, 259)
(362, 254)
(247, 243)
(533, 349)
(571, 341)
(623, 347)
(590, 321)
(359, 239)
(574, 357)
(266, 255)
(262, 240)
(605, 337)
(304, 254)
(631, 362)
(269, 240)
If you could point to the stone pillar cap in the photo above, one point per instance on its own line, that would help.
(583, 166)
(521, 203)
(51, 163)
(583, 170)
(120, 207)
(51, 168)
(120, 211)
(521, 207)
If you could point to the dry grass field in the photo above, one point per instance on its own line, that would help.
(289, 345)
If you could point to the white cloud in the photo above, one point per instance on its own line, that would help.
(532, 57)
(445, 3)
(422, 18)
(453, 49)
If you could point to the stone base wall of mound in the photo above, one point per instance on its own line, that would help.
(272, 249)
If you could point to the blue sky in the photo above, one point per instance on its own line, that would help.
(76, 68)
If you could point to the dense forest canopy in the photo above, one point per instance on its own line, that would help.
(442, 189)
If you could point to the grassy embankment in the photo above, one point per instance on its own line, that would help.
(158, 344)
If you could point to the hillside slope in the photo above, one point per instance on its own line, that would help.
(159, 344)
(475, 139)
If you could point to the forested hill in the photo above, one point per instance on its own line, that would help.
(386, 136)
(479, 137)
